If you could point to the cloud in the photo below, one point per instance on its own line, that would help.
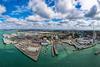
(88, 4)
(92, 12)
(16, 21)
(2, 9)
(69, 9)
(13, 23)
(40, 8)
(62, 7)
(43, 13)
(19, 10)
(35, 18)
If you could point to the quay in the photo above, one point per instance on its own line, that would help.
(33, 52)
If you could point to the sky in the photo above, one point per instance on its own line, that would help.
(49, 14)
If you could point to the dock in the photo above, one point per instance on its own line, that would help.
(33, 53)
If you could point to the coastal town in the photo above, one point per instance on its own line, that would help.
(32, 42)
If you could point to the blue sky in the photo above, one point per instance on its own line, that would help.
(19, 8)
(12, 5)
(24, 13)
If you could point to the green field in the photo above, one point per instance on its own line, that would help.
(11, 57)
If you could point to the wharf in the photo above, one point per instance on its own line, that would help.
(34, 54)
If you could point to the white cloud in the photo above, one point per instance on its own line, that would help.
(87, 4)
(97, 15)
(64, 6)
(67, 8)
(34, 18)
(39, 7)
(13, 23)
(2, 9)
(43, 12)
(20, 9)
(16, 21)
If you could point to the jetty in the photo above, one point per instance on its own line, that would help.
(30, 51)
